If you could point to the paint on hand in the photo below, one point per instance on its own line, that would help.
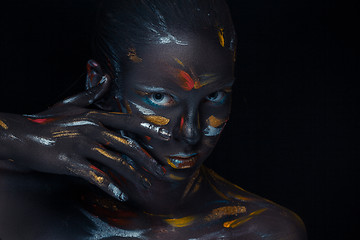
(133, 56)
(3, 125)
(96, 178)
(116, 138)
(221, 36)
(177, 178)
(180, 222)
(157, 120)
(65, 133)
(225, 211)
(42, 120)
(42, 141)
(237, 222)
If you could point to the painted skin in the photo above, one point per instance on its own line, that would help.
(167, 199)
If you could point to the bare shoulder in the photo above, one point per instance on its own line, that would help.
(262, 219)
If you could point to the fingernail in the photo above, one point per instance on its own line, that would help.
(117, 192)
(103, 79)
(164, 133)
(146, 183)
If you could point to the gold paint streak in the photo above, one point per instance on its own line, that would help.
(214, 121)
(171, 164)
(225, 211)
(179, 62)
(238, 197)
(177, 178)
(119, 139)
(180, 222)
(97, 178)
(221, 36)
(197, 186)
(106, 154)
(236, 222)
(71, 135)
(133, 56)
(158, 120)
(3, 125)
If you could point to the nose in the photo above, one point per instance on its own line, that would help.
(190, 128)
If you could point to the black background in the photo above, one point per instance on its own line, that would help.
(291, 137)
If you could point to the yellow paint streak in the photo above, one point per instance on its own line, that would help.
(116, 138)
(3, 125)
(171, 164)
(106, 154)
(65, 134)
(117, 113)
(128, 108)
(177, 178)
(221, 36)
(158, 120)
(214, 121)
(225, 211)
(237, 222)
(180, 222)
(96, 177)
(179, 62)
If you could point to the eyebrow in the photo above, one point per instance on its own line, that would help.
(151, 89)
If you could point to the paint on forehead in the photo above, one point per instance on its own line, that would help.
(186, 82)
(179, 62)
(133, 56)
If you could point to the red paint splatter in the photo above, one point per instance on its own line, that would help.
(164, 170)
(188, 82)
(42, 120)
(97, 169)
(181, 123)
(145, 169)
(148, 138)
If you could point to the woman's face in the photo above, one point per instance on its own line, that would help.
(185, 89)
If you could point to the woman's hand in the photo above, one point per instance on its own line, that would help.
(71, 139)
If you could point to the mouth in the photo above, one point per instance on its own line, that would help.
(182, 160)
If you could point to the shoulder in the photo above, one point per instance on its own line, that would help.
(263, 218)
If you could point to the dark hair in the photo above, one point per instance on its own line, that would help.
(129, 25)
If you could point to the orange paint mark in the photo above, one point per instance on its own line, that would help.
(158, 120)
(187, 82)
(214, 121)
(3, 125)
(42, 120)
(221, 36)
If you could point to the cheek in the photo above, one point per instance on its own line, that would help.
(214, 126)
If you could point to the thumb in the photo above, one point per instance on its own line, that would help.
(89, 96)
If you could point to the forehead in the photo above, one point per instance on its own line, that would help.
(198, 59)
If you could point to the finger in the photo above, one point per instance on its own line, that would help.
(130, 148)
(117, 163)
(95, 176)
(89, 96)
(130, 123)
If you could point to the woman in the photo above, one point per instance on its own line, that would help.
(158, 96)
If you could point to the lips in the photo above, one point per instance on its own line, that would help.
(182, 160)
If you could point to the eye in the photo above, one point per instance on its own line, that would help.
(216, 97)
(160, 99)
